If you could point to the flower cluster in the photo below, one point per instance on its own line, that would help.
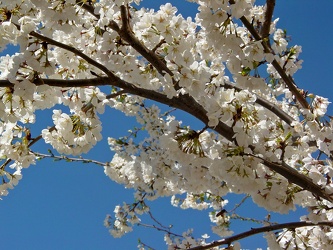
(73, 134)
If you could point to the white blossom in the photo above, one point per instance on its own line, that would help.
(212, 67)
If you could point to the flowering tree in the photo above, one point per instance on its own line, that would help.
(231, 68)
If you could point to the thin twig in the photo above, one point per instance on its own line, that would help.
(144, 245)
(159, 229)
(156, 221)
(248, 219)
(240, 203)
(113, 95)
(66, 158)
(158, 45)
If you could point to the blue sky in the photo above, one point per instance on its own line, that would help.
(58, 205)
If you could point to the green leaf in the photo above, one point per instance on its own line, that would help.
(245, 71)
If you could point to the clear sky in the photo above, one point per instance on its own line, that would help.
(59, 205)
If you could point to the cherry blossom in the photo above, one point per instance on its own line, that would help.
(231, 67)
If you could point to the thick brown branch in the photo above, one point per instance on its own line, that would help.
(270, 4)
(101, 81)
(253, 231)
(75, 83)
(182, 102)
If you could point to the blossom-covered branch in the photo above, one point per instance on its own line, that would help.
(266, 26)
(256, 133)
(127, 34)
(75, 51)
(105, 81)
(287, 79)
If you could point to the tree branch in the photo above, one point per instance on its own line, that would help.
(66, 158)
(253, 231)
(270, 4)
(75, 51)
(88, 8)
(126, 33)
(183, 102)
(159, 229)
(103, 81)
(266, 104)
(187, 104)
(66, 83)
(295, 177)
(287, 79)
